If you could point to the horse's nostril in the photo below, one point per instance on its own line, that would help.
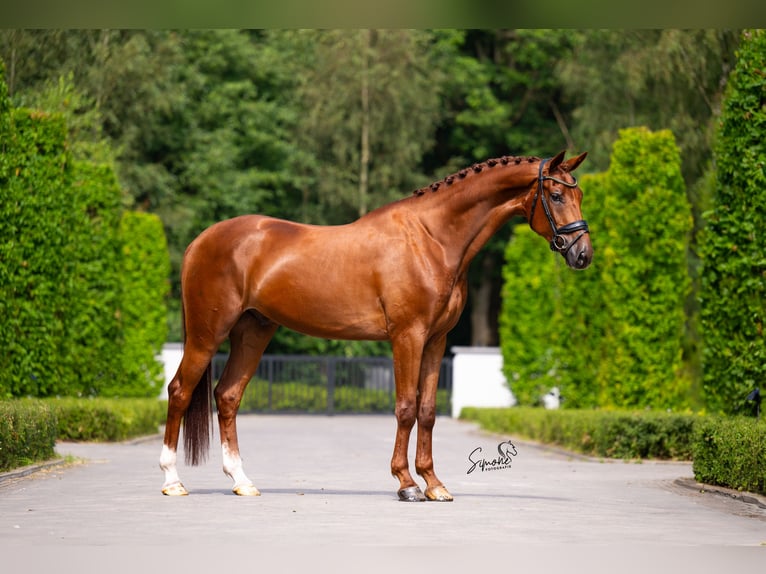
(582, 259)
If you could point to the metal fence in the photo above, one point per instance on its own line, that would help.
(309, 384)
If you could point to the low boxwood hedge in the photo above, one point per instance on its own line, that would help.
(612, 434)
(107, 419)
(29, 428)
(731, 452)
(27, 433)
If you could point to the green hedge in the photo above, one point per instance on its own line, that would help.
(102, 419)
(81, 286)
(145, 276)
(27, 433)
(612, 434)
(613, 335)
(733, 286)
(29, 428)
(732, 453)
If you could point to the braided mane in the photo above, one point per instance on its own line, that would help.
(475, 168)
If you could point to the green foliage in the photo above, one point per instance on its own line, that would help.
(613, 434)
(370, 101)
(35, 221)
(531, 309)
(28, 430)
(90, 269)
(731, 452)
(101, 419)
(614, 334)
(68, 295)
(663, 79)
(644, 274)
(733, 245)
(583, 318)
(144, 272)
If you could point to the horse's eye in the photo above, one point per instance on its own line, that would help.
(557, 197)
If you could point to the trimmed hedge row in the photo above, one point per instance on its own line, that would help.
(728, 452)
(29, 428)
(612, 434)
(107, 419)
(732, 453)
(27, 433)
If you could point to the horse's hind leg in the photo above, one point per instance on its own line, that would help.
(205, 327)
(194, 366)
(249, 338)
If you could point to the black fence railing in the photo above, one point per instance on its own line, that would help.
(309, 384)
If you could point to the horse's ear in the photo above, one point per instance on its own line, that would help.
(571, 164)
(556, 160)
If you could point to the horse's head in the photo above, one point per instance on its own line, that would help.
(560, 219)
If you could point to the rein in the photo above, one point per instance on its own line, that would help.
(558, 242)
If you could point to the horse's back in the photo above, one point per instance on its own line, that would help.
(318, 280)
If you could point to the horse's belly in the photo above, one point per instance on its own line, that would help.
(330, 325)
(319, 315)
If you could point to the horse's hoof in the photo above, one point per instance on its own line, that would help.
(246, 490)
(411, 494)
(175, 489)
(439, 494)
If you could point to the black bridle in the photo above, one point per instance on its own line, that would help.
(558, 242)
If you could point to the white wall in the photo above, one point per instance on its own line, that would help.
(477, 379)
(170, 358)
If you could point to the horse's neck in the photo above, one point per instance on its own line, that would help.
(473, 209)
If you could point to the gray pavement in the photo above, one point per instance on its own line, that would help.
(325, 483)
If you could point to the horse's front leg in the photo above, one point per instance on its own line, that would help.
(249, 338)
(429, 380)
(407, 351)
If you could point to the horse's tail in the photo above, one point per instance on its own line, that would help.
(198, 414)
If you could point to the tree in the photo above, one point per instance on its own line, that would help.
(662, 79)
(369, 102)
(733, 245)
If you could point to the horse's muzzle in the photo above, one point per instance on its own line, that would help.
(580, 254)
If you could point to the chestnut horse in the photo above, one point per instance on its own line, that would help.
(399, 273)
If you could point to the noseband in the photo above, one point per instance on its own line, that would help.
(559, 242)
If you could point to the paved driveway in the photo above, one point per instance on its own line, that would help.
(326, 485)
